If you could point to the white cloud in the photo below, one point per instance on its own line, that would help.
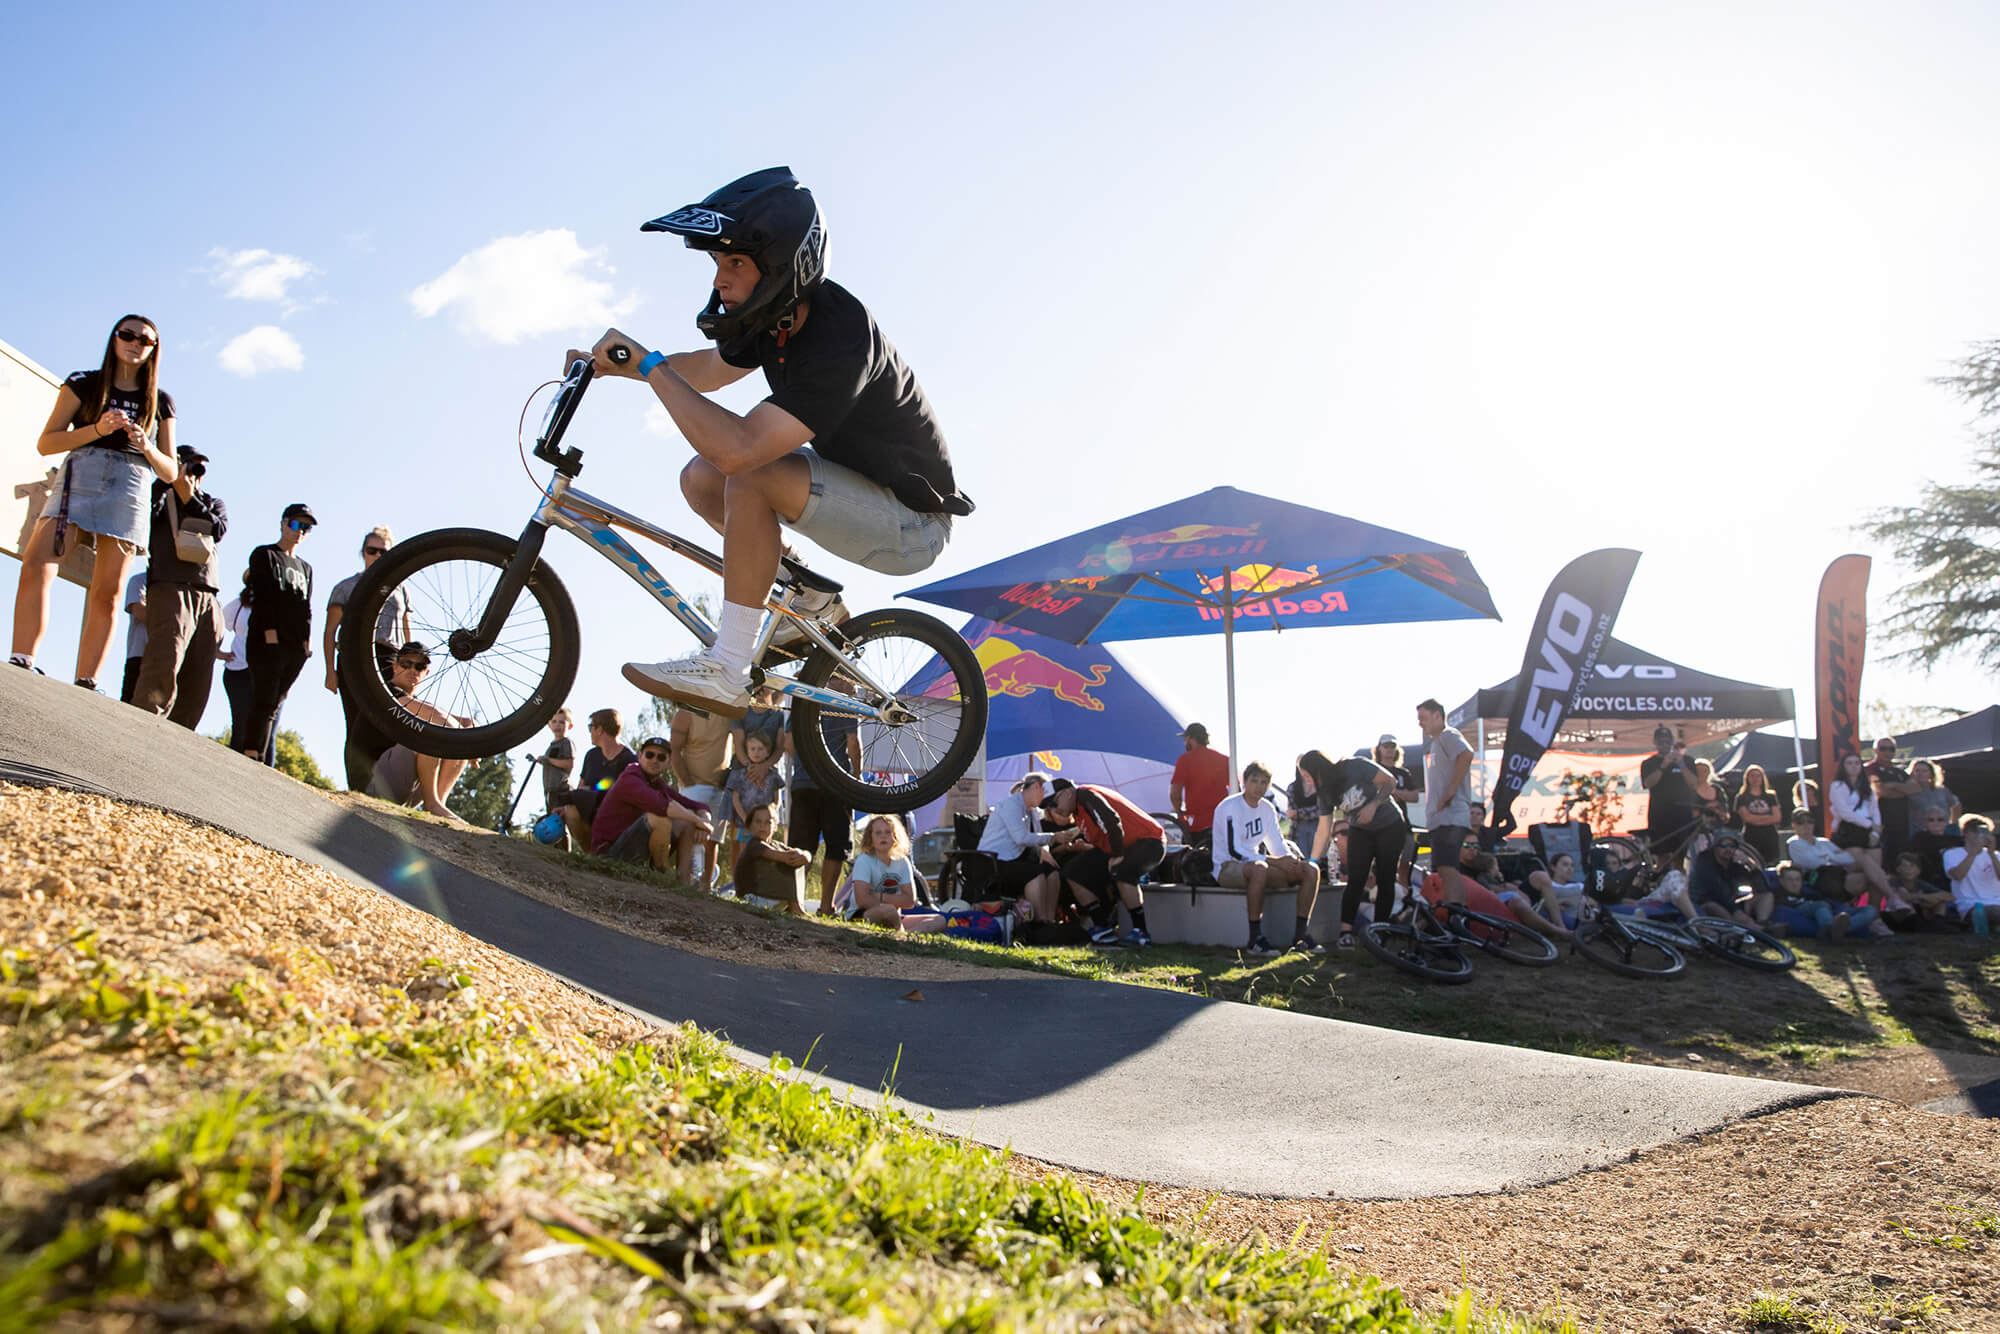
(256, 275)
(264, 348)
(520, 286)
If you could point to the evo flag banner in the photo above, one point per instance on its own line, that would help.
(1569, 631)
(1840, 637)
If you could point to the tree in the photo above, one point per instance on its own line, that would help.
(294, 760)
(1952, 538)
(483, 792)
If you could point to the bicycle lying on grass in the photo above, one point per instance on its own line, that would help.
(1654, 947)
(504, 630)
(1415, 940)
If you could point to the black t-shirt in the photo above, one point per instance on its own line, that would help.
(1672, 801)
(280, 597)
(1895, 810)
(598, 773)
(555, 780)
(163, 562)
(866, 411)
(84, 385)
(1356, 773)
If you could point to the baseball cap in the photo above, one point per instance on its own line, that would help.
(414, 650)
(299, 511)
(1663, 731)
(189, 454)
(1196, 732)
(1387, 739)
(659, 741)
(1056, 788)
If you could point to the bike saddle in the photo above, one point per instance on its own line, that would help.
(805, 578)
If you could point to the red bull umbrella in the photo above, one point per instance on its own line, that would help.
(1216, 563)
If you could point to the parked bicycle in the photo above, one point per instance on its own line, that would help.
(1633, 863)
(504, 630)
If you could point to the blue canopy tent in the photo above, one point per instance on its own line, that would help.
(1219, 562)
(1081, 712)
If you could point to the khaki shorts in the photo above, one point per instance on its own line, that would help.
(1236, 875)
(862, 521)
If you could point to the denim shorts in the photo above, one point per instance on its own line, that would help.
(109, 494)
(711, 796)
(862, 521)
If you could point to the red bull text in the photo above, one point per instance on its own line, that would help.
(1189, 541)
(1334, 600)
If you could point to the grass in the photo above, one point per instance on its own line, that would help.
(229, 1157)
(1831, 1314)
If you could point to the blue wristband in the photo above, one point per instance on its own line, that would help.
(650, 360)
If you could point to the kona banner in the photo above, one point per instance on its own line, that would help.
(1840, 639)
(1568, 634)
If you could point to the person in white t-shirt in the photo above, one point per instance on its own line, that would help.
(882, 886)
(1974, 871)
(1252, 855)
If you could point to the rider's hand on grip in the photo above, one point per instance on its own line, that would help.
(615, 354)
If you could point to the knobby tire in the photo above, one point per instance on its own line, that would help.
(1503, 938)
(1633, 956)
(1399, 945)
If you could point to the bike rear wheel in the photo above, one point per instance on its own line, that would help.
(510, 690)
(1399, 945)
(1629, 953)
(1502, 937)
(1742, 945)
(937, 701)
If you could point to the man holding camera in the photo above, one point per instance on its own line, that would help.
(1671, 806)
(183, 621)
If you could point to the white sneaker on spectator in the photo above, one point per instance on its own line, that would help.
(701, 682)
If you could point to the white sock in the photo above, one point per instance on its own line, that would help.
(735, 636)
(21, 659)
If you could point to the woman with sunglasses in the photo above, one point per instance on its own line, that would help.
(116, 427)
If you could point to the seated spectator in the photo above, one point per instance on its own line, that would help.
(1826, 920)
(1508, 897)
(1251, 855)
(1921, 903)
(607, 758)
(1857, 817)
(1931, 795)
(1938, 834)
(400, 775)
(1125, 844)
(1566, 888)
(1810, 853)
(1841, 887)
(1718, 872)
(642, 819)
(1014, 836)
(767, 868)
(1974, 870)
(883, 885)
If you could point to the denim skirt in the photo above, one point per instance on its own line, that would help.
(108, 494)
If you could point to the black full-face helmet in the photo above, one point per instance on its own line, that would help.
(770, 217)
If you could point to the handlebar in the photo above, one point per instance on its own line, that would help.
(567, 462)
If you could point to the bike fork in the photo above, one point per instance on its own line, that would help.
(469, 644)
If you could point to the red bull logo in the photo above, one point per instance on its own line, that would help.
(1013, 670)
(1041, 597)
(1188, 541)
(1261, 579)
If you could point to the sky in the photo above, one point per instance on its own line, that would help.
(1528, 278)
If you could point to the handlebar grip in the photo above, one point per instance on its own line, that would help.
(619, 353)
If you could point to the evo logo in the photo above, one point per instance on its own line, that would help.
(1549, 691)
(1639, 671)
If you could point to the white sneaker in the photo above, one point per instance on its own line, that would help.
(827, 608)
(700, 682)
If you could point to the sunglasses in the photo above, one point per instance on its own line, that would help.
(134, 336)
(659, 755)
(414, 664)
(373, 551)
(298, 525)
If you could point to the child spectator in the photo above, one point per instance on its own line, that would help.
(767, 868)
(236, 670)
(135, 633)
(754, 781)
(1929, 904)
(116, 425)
(607, 758)
(884, 883)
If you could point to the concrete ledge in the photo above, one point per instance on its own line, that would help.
(1211, 915)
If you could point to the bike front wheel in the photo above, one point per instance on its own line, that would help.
(1400, 945)
(1742, 945)
(933, 693)
(1502, 938)
(505, 694)
(1608, 946)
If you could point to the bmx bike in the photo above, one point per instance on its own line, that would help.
(504, 632)
(1632, 863)
(1429, 940)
